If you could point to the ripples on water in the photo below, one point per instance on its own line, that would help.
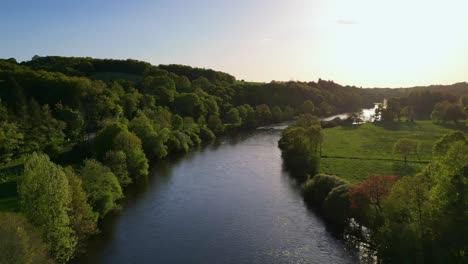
(230, 202)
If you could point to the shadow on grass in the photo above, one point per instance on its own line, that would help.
(403, 169)
(460, 126)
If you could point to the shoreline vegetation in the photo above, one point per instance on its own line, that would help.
(86, 128)
(413, 214)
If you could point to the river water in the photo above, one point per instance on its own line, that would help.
(229, 202)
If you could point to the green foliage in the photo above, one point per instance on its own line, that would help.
(153, 139)
(117, 163)
(336, 205)
(105, 139)
(45, 199)
(247, 115)
(130, 144)
(178, 142)
(276, 114)
(442, 145)
(263, 114)
(317, 189)
(20, 243)
(215, 124)
(82, 218)
(102, 187)
(405, 147)
(307, 107)
(206, 134)
(10, 141)
(162, 87)
(189, 104)
(233, 117)
(74, 122)
(300, 149)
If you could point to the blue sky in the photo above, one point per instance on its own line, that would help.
(360, 42)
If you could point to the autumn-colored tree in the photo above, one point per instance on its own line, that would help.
(371, 192)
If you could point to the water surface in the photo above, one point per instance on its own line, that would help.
(230, 202)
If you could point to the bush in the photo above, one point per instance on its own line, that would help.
(336, 205)
(316, 189)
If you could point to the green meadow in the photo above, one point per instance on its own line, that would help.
(355, 151)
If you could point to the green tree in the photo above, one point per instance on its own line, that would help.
(117, 162)
(20, 243)
(130, 144)
(102, 187)
(232, 117)
(263, 114)
(277, 114)
(215, 124)
(153, 140)
(405, 147)
(307, 107)
(10, 141)
(162, 87)
(189, 104)
(82, 218)
(73, 120)
(247, 114)
(45, 199)
(444, 143)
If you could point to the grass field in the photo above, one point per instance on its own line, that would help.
(370, 147)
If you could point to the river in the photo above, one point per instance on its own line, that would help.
(229, 202)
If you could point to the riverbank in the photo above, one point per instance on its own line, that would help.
(228, 202)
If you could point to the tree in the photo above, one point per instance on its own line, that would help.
(102, 187)
(82, 218)
(277, 114)
(162, 87)
(153, 140)
(307, 107)
(10, 141)
(406, 221)
(117, 162)
(105, 139)
(45, 199)
(325, 109)
(404, 147)
(454, 113)
(372, 192)
(247, 114)
(177, 122)
(232, 117)
(189, 104)
(300, 149)
(263, 114)
(73, 120)
(215, 124)
(130, 144)
(444, 143)
(408, 112)
(20, 243)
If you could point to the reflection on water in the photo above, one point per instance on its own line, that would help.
(229, 202)
(364, 116)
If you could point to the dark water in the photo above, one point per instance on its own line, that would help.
(226, 203)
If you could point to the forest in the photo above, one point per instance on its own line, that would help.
(75, 132)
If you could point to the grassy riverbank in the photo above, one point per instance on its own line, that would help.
(355, 151)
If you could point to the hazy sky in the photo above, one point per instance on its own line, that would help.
(366, 43)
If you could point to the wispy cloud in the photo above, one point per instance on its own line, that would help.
(265, 41)
(346, 22)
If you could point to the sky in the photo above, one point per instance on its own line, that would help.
(367, 43)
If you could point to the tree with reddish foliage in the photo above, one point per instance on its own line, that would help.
(371, 192)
